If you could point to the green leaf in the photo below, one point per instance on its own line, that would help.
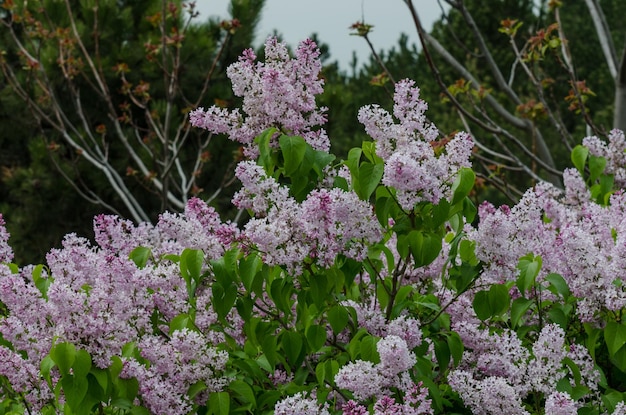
(291, 343)
(368, 349)
(320, 373)
(293, 149)
(75, 390)
(519, 307)
(579, 158)
(248, 268)
(442, 351)
(269, 347)
(82, 363)
(369, 178)
(180, 322)
(45, 367)
(529, 266)
(316, 337)
(558, 285)
(492, 303)
(244, 391)
(64, 355)
(140, 410)
(455, 345)
(224, 298)
(265, 152)
(338, 318)
(196, 388)
(596, 167)
(615, 338)
(140, 256)
(101, 377)
(42, 283)
(425, 247)
(463, 184)
(191, 261)
(219, 403)
(558, 316)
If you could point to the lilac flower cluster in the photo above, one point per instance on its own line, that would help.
(6, 252)
(279, 92)
(499, 365)
(614, 152)
(418, 166)
(97, 298)
(367, 380)
(300, 404)
(174, 366)
(372, 319)
(325, 224)
(561, 228)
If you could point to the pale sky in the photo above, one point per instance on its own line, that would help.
(296, 20)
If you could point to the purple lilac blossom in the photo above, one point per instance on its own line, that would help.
(501, 359)
(546, 369)
(412, 163)
(561, 228)
(285, 232)
(6, 252)
(613, 152)
(560, 403)
(279, 92)
(98, 299)
(353, 408)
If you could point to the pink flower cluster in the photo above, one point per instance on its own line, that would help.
(98, 299)
(497, 372)
(367, 380)
(325, 224)
(614, 152)
(416, 165)
(279, 92)
(6, 252)
(562, 228)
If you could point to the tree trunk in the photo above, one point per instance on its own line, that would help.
(619, 117)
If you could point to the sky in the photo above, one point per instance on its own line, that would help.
(295, 20)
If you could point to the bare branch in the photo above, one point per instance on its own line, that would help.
(604, 35)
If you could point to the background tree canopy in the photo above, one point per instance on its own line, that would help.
(152, 66)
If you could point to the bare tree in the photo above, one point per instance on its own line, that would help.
(63, 69)
(489, 99)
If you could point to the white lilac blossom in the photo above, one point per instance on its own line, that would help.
(417, 166)
(620, 409)
(362, 378)
(395, 356)
(186, 360)
(372, 319)
(492, 395)
(300, 404)
(279, 93)
(368, 380)
(24, 378)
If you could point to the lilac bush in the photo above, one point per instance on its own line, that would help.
(370, 285)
